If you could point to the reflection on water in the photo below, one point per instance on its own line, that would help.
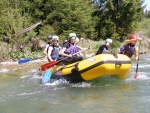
(22, 92)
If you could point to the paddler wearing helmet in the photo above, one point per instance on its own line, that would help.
(69, 48)
(104, 48)
(48, 44)
(54, 49)
(130, 47)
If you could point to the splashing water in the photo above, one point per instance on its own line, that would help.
(4, 70)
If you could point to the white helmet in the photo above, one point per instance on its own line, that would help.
(72, 35)
(55, 38)
(109, 40)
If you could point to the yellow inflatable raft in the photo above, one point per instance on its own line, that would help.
(95, 67)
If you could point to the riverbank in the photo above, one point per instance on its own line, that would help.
(144, 49)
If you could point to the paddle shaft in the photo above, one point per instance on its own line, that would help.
(137, 68)
(72, 55)
(51, 64)
(136, 74)
(138, 57)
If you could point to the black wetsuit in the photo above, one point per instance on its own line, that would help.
(101, 49)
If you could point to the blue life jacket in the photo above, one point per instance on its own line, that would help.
(128, 49)
(55, 51)
(72, 49)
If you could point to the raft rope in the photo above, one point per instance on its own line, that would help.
(65, 67)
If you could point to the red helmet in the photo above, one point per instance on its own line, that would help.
(133, 37)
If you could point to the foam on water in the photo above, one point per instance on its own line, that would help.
(57, 82)
(142, 65)
(32, 93)
(4, 70)
(24, 76)
(8, 63)
(64, 82)
(33, 71)
(146, 59)
(32, 74)
(82, 85)
(141, 76)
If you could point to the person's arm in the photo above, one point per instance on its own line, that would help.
(60, 49)
(122, 49)
(45, 50)
(63, 54)
(129, 41)
(49, 53)
(81, 48)
(136, 58)
(136, 54)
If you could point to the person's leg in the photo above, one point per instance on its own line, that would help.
(72, 60)
(68, 61)
(77, 58)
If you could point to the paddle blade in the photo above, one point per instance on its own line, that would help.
(47, 75)
(48, 65)
(136, 75)
(24, 61)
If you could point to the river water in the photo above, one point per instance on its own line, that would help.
(22, 92)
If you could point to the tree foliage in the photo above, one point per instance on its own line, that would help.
(147, 14)
(118, 16)
(94, 19)
(13, 20)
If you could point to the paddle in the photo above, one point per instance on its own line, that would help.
(51, 64)
(136, 74)
(47, 75)
(28, 60)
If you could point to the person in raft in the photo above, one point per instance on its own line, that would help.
(69, 48)
(130, 48)
(47, 45)
(104, 48)
(54, 49)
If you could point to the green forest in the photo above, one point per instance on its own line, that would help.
(24, 22)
